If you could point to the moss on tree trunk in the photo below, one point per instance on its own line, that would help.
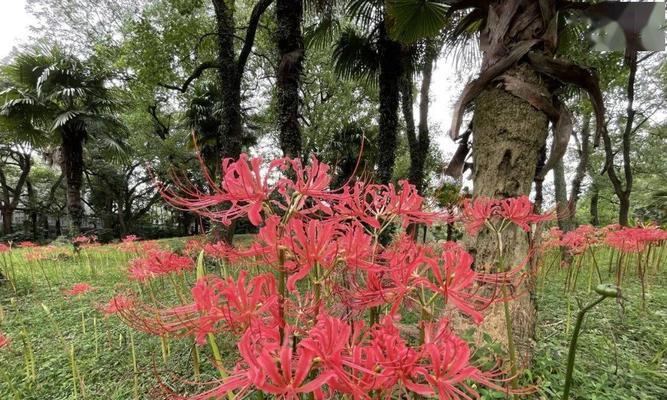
(508, 137)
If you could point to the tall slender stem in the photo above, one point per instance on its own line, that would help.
(573, 346)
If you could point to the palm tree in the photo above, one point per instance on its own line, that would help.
(514, 99)
(365, 51)
(54, 99)
(289, 18)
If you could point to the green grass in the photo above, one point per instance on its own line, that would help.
(622, 351)
(621, 355)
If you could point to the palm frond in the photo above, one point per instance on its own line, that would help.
(366, 13)
(412, 20)
(321, 34)
(355, 57)
(63, 119)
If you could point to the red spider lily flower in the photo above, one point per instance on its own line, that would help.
(394, 278)
(634, 240)
(329, 340)
(284, 373)
(377, 204)
(312, 180)
(118, 304)
(448, 366)
(396, 361)
(77, 289)
(4, 248)
(519, 210)
(193, 247)
(233, 305)
(580, 239)
(309, 243)
(477, 212)
(553, 238)
(221, 251)
(244, 191)
(408, 205)
(454, 279)
(158, 263)
(355, 247)
(27, 244)
(4, 340)
(130, 238)
(83, 240)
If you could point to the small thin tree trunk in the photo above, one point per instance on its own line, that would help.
(32, 205)
(560, 189)
(289, 16)
(7, 218)
(622, 193)
(582, 167)
(595, 197)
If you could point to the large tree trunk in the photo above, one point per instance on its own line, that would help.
(289, 15)
(72, 154)
(230, 82)
(389, 82)
(509, 135)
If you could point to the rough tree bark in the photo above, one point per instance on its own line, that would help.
(515, 96)
(72, 165)
(289, 17)
(508, 134)
(389, 53)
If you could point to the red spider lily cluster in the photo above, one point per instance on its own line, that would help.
(78, 289)
(27, 244)
(4, 340)
(498, 213)
(4, 248)
(131, 244)
(321, 314)
(158, 263)
(635, 239)
(83, 240)
(117, 304)
(624, 239)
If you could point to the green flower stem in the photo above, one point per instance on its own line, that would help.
(573, 346)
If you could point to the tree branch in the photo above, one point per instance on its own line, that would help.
(195, 74)
(249, 41)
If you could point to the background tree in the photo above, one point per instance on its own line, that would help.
(289, 19)
(54, 99)
(15, 165)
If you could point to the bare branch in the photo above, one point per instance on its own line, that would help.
(195, 74)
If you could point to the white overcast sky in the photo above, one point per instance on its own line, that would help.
(14, 29)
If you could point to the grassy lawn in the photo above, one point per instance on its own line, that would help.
(64, 348)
